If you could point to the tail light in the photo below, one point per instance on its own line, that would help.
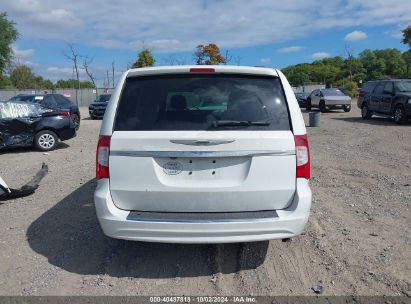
(202, 70)
(302, 152)
(64, 113)
(102, 155)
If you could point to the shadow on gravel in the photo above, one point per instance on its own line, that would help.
(60, 146)
(69, 236)
(376, 120)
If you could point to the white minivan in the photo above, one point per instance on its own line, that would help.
(203, 154)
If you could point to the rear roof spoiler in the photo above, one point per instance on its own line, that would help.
(185, 69)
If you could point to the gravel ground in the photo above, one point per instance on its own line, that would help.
(357, 241)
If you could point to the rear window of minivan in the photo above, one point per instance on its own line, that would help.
(180, 102)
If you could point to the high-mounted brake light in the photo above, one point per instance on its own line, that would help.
(202, 70)
(102, 155)
(302, 152)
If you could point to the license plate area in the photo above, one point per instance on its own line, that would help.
(201, 171)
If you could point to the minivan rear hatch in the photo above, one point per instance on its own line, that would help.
(209, 142)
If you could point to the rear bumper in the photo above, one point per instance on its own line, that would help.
(289, 222)
(67, 133)
(337, 103)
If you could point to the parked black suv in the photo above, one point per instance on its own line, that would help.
(98, 107)
(53, 101)
(387, 97)
(302, 98)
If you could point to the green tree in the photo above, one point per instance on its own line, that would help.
(406, 36)
(42, 83)
(66, 84)
(209, 54)
(337, 71)
(351, 67)
(145, 59)
(298, 75)
(5, 82)
(22, 77)
(8, 34)
(324, 73)
(85, 84)
(394, 63)
(72, 83)
(373, 65)
(348, 86)
(407, 59)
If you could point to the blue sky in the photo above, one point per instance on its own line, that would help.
(264, 32)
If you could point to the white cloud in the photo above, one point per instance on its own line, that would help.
(22, 54)
(265, 60)
(31, 64)
(60, 18)
(396, 32)
(55, 73)
(61, 71)
(355, 35)
(160, 45)
(43, 20)
(23, 57)
(320, 55)
(291, 49)
(181, 26)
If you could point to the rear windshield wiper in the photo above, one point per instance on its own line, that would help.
(240, 123)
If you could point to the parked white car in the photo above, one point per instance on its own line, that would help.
(203, 154)
(327, 99)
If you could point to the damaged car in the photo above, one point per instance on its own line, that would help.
(57, 102)
(27, 124)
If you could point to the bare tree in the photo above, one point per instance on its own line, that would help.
(108, 80)
(175, 60)
(74, 56)
(349, 53)
(86, 65)
(129, 64)
(228, 57)
(199, 54)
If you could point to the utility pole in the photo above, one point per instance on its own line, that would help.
(112, 70)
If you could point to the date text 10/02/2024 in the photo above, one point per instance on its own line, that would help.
(203, 299)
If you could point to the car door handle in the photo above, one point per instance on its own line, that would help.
(200, 142)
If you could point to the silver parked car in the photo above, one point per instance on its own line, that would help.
(203, 154)
(327, 99)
